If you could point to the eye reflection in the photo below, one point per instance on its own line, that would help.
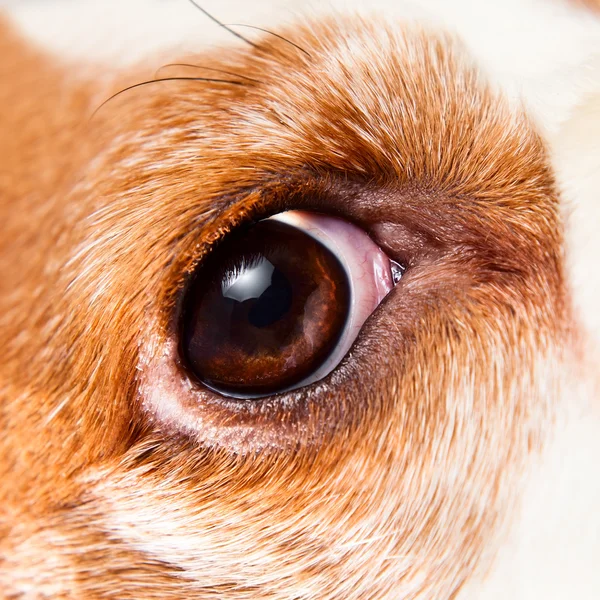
(268, 286)
(277, 306)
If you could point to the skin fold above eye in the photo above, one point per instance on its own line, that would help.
(277, 306)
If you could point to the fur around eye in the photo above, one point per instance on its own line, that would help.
(451, 452)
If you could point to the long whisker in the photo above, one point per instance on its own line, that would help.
(221, 24)
(273, 34)
(191, 66)
(143, 83)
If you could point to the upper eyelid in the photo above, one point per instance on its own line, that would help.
(275, 193)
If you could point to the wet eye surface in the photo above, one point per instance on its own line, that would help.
(277, 306)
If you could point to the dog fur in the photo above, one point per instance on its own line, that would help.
(453, 452)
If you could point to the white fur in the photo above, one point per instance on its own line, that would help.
(119, 34)
(576, 154)
(552, 549)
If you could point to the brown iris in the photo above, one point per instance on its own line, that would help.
(264, 311)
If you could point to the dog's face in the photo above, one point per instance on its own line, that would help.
(450, 453)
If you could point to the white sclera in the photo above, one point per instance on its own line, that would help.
(368, 268)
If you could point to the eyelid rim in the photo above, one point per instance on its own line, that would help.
(304, 191)
(335, 234)
(166, 393)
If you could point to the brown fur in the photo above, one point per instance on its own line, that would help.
(390, 477)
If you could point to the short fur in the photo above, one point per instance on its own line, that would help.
(400, 474)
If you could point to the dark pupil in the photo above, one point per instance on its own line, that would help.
(264, 311)
(264, 291)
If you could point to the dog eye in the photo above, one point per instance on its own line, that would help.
(277, 306)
